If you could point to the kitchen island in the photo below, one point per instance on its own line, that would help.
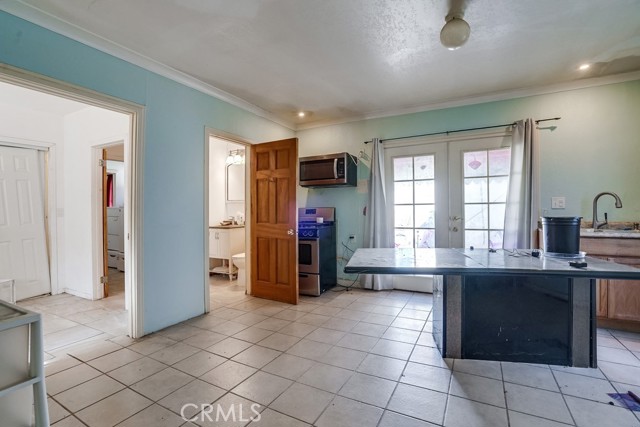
(504, 305)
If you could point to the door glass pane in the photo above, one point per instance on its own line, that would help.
(476, 238)
(425, 192)
(498, 189)
(496, 216)
(475, 163)
(403, 216)
(425, 168)
(425, 238)
(425, 216)
(403, 192)
(495, 239)
(475, 190)
(499, 161)
(476, 217)
(404, 238)
(402, 168)
(414, 194)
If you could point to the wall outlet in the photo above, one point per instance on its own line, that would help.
(558, 202)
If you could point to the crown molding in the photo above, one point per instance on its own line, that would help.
(50, 22)
(497, 96)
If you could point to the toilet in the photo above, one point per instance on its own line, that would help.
(239, 262)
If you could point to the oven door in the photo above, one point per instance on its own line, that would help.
(308, 256)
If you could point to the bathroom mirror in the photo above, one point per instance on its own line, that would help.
(235, 183)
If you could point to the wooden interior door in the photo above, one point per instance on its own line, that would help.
(105, 241)
(274, 242)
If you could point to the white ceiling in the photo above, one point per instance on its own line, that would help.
(349, 59)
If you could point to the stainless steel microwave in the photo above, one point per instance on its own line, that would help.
(329, 170)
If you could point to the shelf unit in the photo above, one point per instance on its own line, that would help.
(21, 367)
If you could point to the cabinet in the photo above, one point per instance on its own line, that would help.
(224, 242)
(22, 387)
(617, 301)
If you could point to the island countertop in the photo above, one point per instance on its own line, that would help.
(443, 261)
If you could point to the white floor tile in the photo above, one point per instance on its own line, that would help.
(541, 403)
(480, 389)
(594, 414)
(427, 376)
(326, 377)
(156, 416)
(427, 405)
(194, 393)
(289, 366)
(229, 347)
(228, 375)
(344, 357)
(466, 413)
(88, 393)
(256, 356)
(518, 419)
(262, 387)
(161, 384)
(271, 418)
(393, 419)
(368, 389)
(620, 373)
(395, 349)
(483, 368)
(114, 409)
(137, 370)
(302, 402)
(584, 387)
(381, 366)
(343, 412)
(532, 376)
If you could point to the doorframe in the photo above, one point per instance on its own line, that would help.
(135, 170)
(210, 132)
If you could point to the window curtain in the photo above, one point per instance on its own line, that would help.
(523, 197)
(376, 233)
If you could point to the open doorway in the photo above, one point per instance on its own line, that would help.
(68, 124)
(113, 190)
(227, 236)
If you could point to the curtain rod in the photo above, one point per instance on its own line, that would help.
(447, 132)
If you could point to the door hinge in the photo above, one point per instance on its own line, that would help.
(104, 279)
(101, 163)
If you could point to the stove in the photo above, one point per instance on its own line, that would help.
(316, 250)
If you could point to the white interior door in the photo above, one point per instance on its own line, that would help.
(23, 250)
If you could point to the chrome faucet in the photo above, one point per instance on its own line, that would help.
(597, 224)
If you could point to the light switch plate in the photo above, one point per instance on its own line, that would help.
(558, 202)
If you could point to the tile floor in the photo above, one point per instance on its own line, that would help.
(357, 358)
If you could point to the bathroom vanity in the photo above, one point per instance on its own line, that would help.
(503, 305)
(224, 242)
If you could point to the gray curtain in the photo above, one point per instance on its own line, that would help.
(376, 233)
(523, 197)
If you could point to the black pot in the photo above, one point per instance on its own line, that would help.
(561, 234)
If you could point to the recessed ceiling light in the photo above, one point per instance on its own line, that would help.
(301, 114)
(584, 67)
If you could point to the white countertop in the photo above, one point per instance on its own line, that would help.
(442, 261)
(610, 233)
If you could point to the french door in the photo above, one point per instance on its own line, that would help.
(448, 193)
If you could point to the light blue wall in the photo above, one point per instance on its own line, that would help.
(174, 176)
(594, 148)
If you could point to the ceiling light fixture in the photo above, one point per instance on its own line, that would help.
(455, 32)
(301, 114)
(584, 67)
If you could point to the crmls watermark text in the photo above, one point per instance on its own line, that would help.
(217, 413)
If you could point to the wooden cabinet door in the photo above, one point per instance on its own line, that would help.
(213, 244)
(623, 296)
(223, 244)
(274, 243)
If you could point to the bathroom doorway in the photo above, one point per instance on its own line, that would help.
(226, 214)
